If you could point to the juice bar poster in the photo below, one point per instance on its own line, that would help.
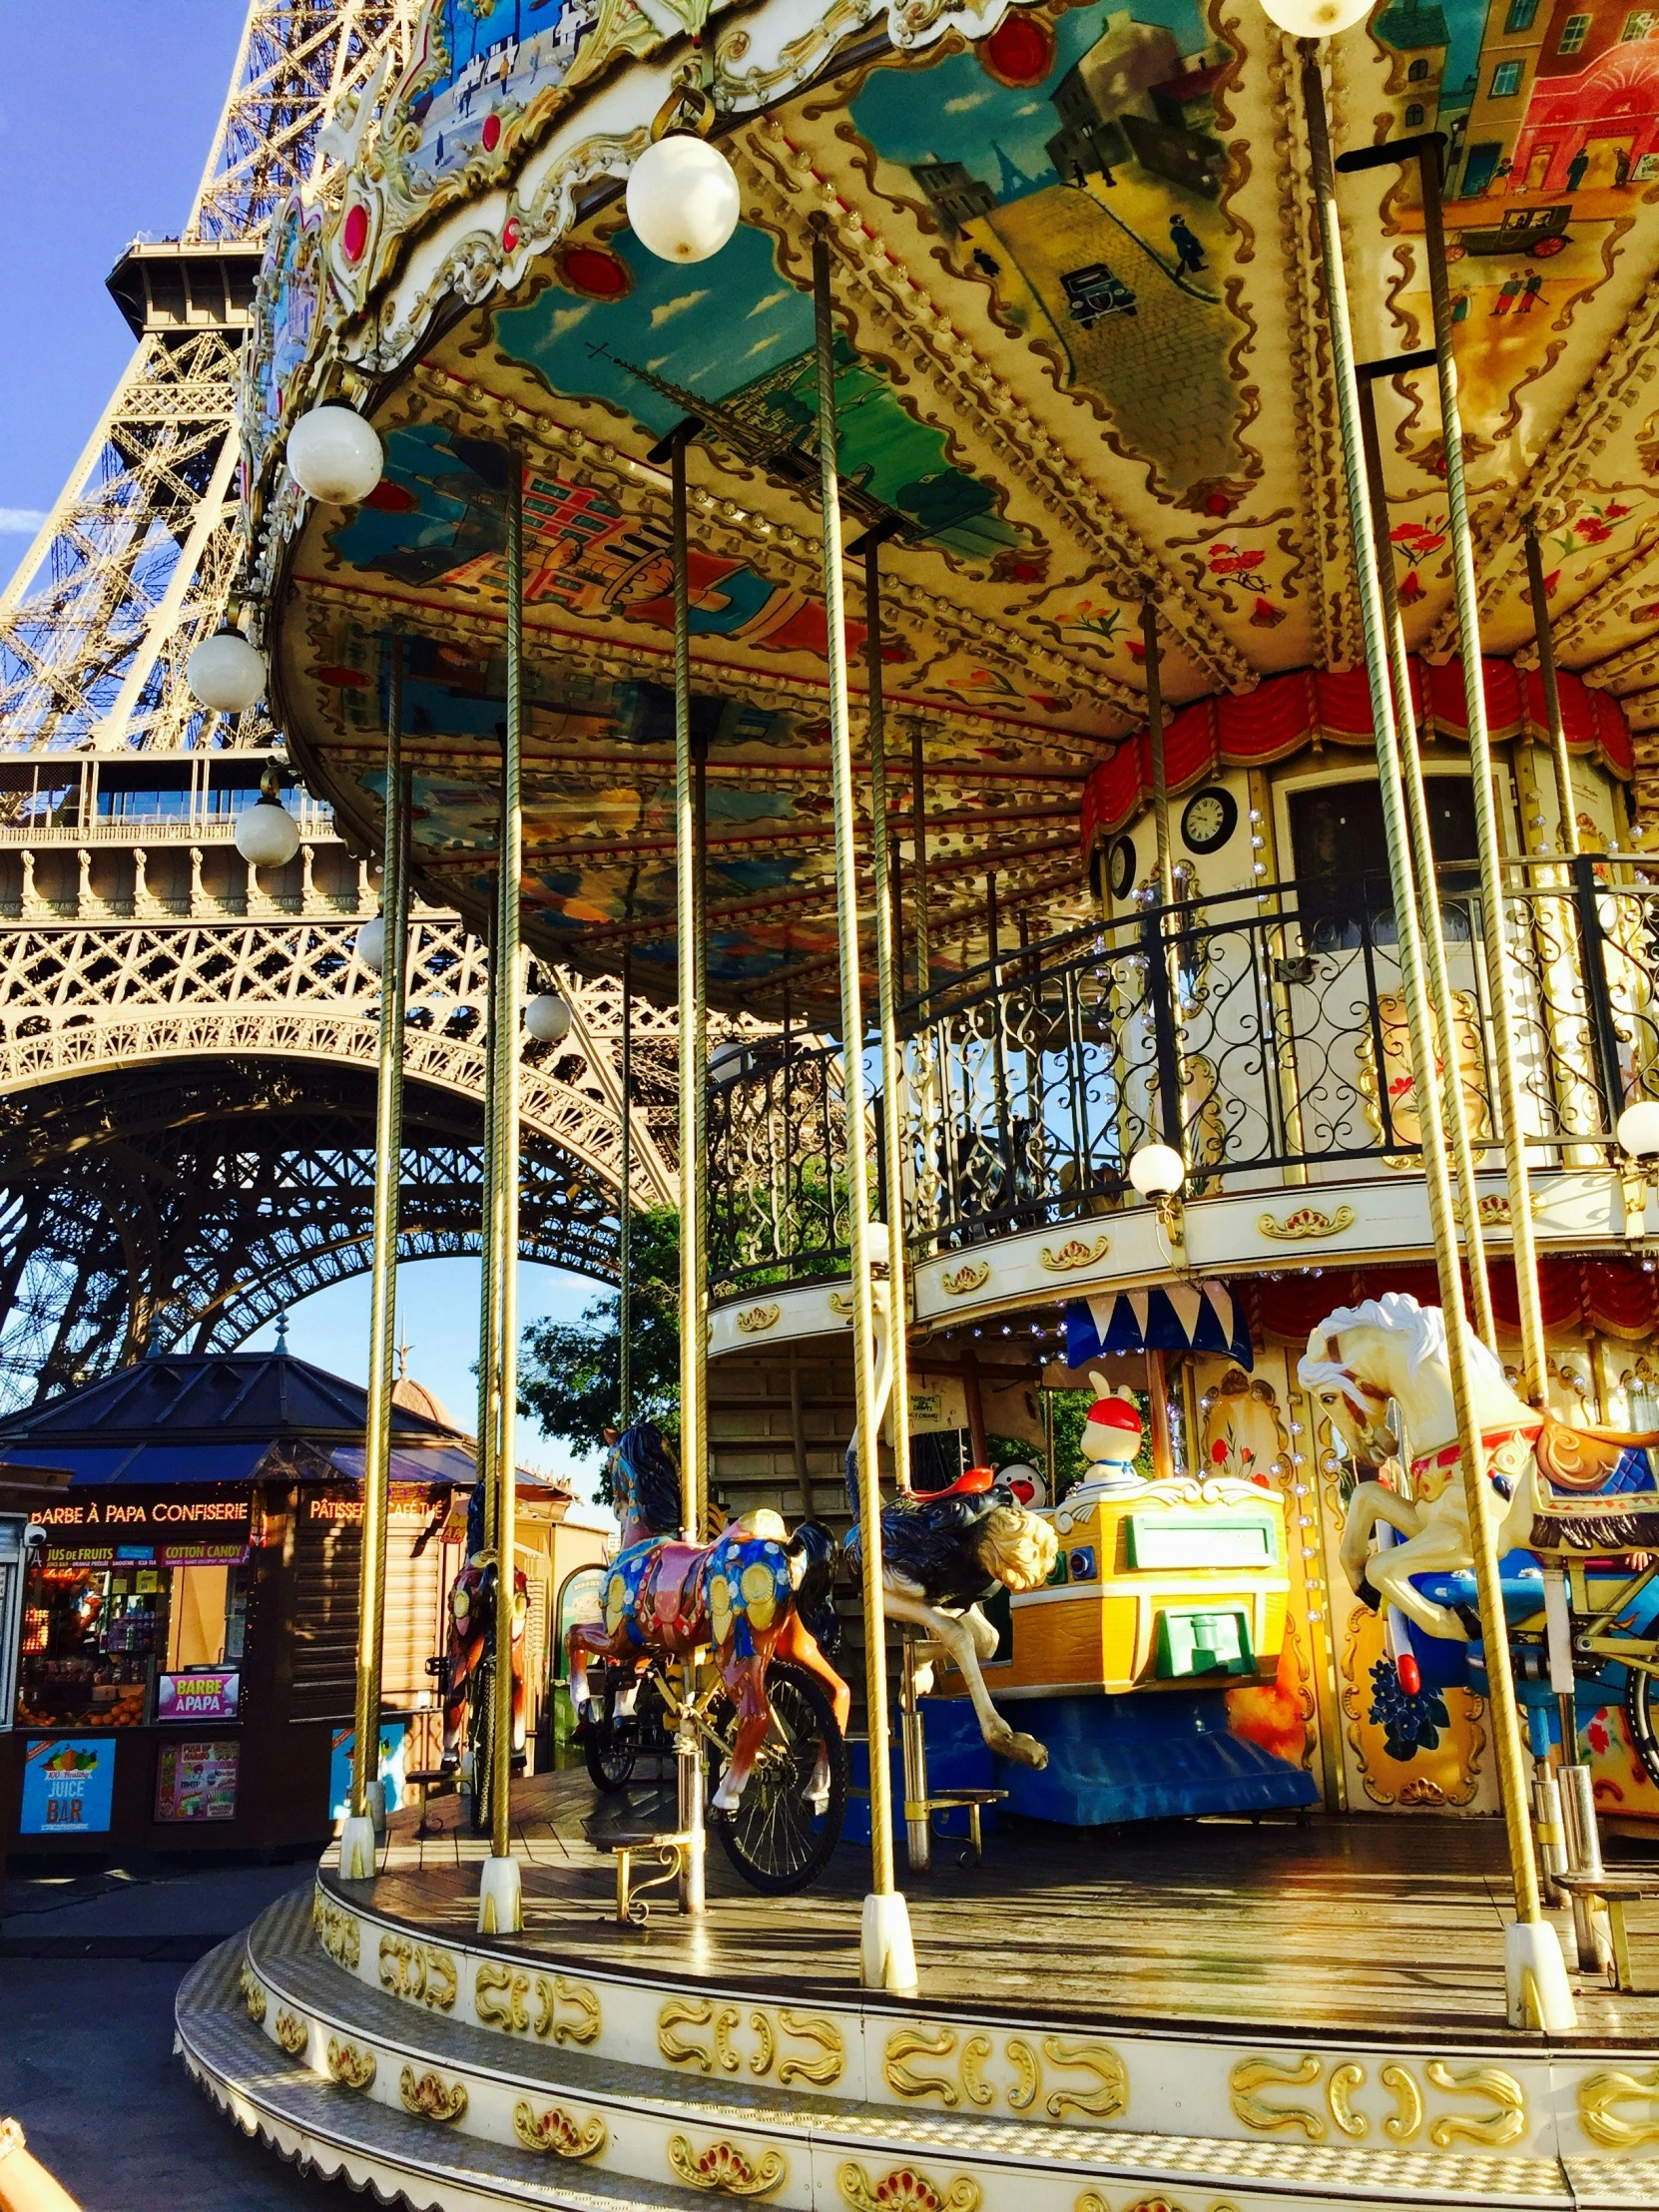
(197, 1781)
(67, 1786)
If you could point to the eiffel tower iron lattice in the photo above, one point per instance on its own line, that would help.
(186, 1048)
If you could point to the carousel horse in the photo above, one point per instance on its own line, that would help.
(750, 1595)
(471, 1627)
(944, 1550)
(1560, 1486)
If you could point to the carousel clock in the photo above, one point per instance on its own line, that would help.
(1208, 820)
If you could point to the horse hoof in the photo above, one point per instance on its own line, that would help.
(1026, 1751)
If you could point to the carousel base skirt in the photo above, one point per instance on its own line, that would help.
(1213, 2016)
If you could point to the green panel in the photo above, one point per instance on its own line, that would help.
(1194, 1640)
(1203, 1540)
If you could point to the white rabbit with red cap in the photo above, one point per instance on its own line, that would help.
(1110, 1444)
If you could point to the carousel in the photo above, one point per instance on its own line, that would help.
(1079, 592)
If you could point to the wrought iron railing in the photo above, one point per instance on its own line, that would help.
(1263, 1033)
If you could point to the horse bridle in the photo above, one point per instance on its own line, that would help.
(1369, 1400)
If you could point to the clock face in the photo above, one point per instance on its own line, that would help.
(1120, 868)
(1209, 821)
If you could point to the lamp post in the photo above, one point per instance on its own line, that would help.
(1536, 1986)
(356, 1850)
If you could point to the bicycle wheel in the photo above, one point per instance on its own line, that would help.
(609, 1750)
(777, 1839)
(480, 1733)
(1642, 1720)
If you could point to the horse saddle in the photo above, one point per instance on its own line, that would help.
(1586, 1459)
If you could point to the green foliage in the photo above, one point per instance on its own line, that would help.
(570, 1374)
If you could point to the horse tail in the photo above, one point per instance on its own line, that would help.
(812, 1555)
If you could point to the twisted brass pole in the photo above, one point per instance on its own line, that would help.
(888, 993)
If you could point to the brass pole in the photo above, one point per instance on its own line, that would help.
(699, 1103)
(1155, 738)
(625, 1208)
(887, 957)
(382, 1323)
(1543, 630)
(918, 832)
(887, 1957)
(1434, 940)
(694, 1075)
(1510, 1767)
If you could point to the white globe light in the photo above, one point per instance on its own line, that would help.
(1637, 1129)
(372, 945)
(226, 672)
(1157, 1171)
(682, 200)
(1317, 18)
(266, 833)
(878, 1244)
(728, 1061)
(335, 456)
(547, 1017)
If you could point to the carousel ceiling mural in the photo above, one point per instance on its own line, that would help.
(1080, 365)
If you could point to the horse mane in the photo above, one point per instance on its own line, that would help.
(1398, 1313)
(651, 1481)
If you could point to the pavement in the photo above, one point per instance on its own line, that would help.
(89, 1966)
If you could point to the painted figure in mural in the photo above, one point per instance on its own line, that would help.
(1507, 292)
(1189, 252)
(751, 1594)
(1362, 1359)
(1576, 168)
(472, 1631)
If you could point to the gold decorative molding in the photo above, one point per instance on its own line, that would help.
(562, 1991)
(753, 1320)
(1107, 2099)
(556, 2134)
(501, 1998)
(906, 2043)
(812, 2029)
(429, 2097)
(1306, 1225)
(1252, 2074)
(972, 1274)
(1502, 2125)
(1403, 2122)
(350, 2067)
(1339, 2094)
(841, 1303)
(903, 2190)
(1066, 1259)
(1493, 1208)
(725, 2167)
(293, 2033)
(420, 1974)
(337, 1930)
(823, 2063)
(1599, 2098)
(252, 1995)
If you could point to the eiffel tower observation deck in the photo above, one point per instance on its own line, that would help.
(186, 1042)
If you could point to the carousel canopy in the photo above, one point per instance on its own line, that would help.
(1081, 364)
(1179, 1317)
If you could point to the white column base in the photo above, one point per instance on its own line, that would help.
(500, 1899)
(356, 1849)
(888, 1957)
(1536, 1979)
(376, 1806)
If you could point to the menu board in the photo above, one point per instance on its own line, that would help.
(198, 1780)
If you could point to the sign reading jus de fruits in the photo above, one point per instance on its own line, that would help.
(204, 1694)
(67, 1781)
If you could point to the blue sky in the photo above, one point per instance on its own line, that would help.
(106, 112)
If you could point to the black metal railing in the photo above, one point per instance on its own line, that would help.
(1261, 1032)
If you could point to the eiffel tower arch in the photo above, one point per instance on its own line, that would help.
(187, 1046)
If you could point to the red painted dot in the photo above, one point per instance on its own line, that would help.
(353, 235)
(491, 133)
(591, 270)
(509, 235)
(343, 679)
(1020, 50)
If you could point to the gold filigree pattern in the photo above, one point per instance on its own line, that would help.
(1074, 1253)
(822, 2063)
(252, 1995)
(557, 1991)
(1107, 2099)
(906, 2043)
(293, 2032)
(1406, 2120)
(1338, 2094)
(429, 2097)
(339, 1932)
(420, 1974)
(556, 2134)
(904, 2189)
(350, 2067)
(725, 2167)
(1599, 2098)
(1501, 2125)
(1252, 2074)
(971, 1275)
(755, 1320)
(819, 2034)
(1305, 1224)
(501, 1998)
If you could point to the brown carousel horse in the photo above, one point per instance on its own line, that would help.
(472, 1632)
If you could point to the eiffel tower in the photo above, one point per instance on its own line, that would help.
(187, 1046)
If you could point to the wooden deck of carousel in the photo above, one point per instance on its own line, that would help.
(1207, 2017)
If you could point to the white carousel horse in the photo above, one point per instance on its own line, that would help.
(1391, 1349)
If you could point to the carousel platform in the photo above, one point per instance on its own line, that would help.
(1203, 2018)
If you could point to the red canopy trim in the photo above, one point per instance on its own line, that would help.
(1616, 1298)
(1286, 713)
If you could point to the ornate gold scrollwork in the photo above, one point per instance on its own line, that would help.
(810, 2027)
(725, 2167)
(903, 2190)
(1338, 2092)
(822, 2064)
(975, 2087)
(1251, 2074)
(556, 2133)
(1028, 2065)
(1066, 1259)
(252, 1995)
(971, 1275)
(1406, 2119)
(420, 1973)
(293, 2033)
(1305, 1224)
(430, 2097)
(1599, 2098)
(557, 1991)
(350, 2067)
(753, 1320)
(337, 1932)
(1495, 2128)
(762, 2059)
(501, 1997)
(1111, 2093)
(906, 2044)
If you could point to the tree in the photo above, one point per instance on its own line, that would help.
(570, 1374)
